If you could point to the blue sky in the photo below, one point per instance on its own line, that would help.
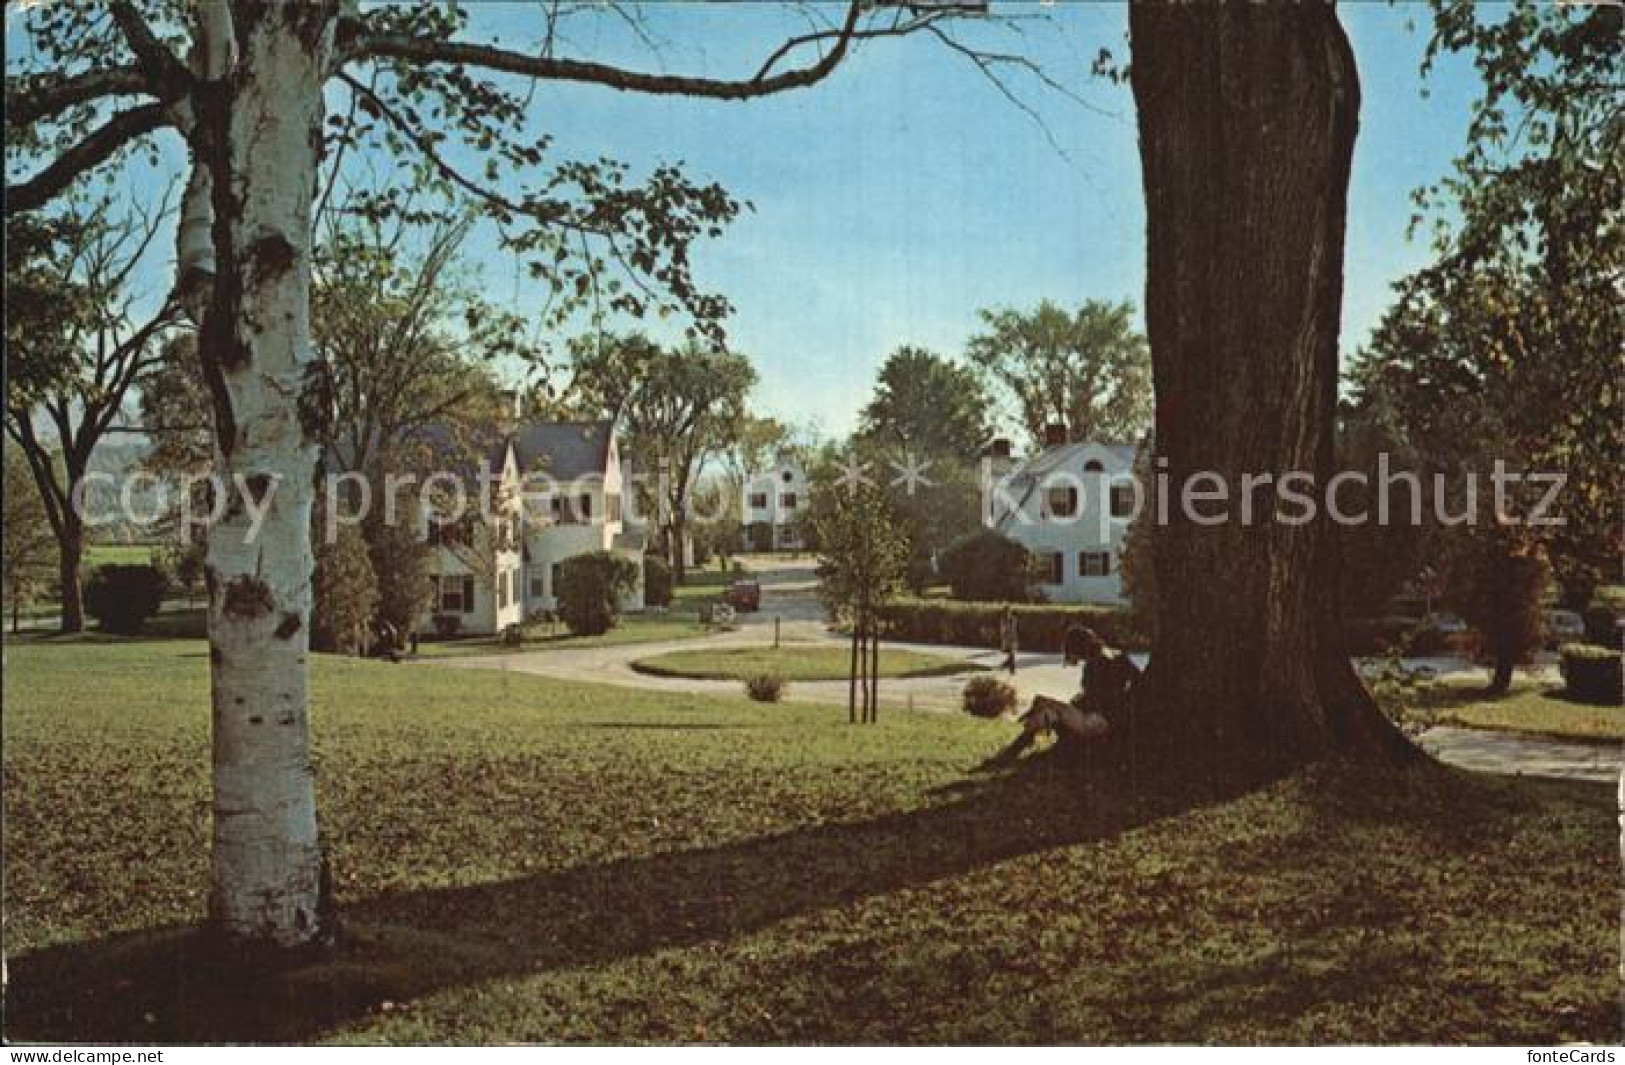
(897, 197)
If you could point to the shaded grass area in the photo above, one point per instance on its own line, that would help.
(795, 662)
(522, 859)
(1535, 706)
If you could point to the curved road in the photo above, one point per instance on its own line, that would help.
(789, 593)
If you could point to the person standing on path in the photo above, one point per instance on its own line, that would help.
(1007, 638)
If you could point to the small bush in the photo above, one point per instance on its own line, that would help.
(122, 598)
(656, 581)
(988, 567)
(513, 636)
(1602, 627)
(988, 697)
(1039, 627)
(590, 590)
(766, 687)
(1592, 674)
(759, 534)
(447, 625)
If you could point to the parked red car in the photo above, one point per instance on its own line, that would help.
(745, 594)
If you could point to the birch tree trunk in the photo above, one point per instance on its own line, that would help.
(257, 131)
(1247, 117)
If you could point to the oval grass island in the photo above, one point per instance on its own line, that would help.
(795, 662)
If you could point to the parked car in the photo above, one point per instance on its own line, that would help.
(745, 594)
(1449, 624)
(1564, 626)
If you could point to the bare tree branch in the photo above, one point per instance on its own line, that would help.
(360, 44)
(35, 98)
(168, 76)
(97, 147)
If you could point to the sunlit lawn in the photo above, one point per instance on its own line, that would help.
(795, 662)
(518, 858)
(1537, 706)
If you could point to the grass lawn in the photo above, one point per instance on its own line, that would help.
(517, 858)
(117, 555)
(795, 662)
(1531, 706)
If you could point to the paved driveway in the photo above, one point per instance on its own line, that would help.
(789, 594)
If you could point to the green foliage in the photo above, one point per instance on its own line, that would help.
(400, 566)
(1507, 345)
(1042, 627)
(927, 406)
(988, 697)
(862, 553)
(766, 687)
(1088, 369)
(122, 598)
(184, 562)
(29, 547)
(1497, 584)
(345, 592)
(1592, 674)
(676, 407)
(657, 586)
(988, 566)
(760, 535)
(590, 589)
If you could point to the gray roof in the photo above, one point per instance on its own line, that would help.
(563, 450)
(1057, 457)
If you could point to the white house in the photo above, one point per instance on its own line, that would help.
(471, 518)
(1070, 505)
(574, 504)
(771, 500)
(555, 493)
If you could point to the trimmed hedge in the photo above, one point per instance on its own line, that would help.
(1592, 674)
(1039, 626)
(766, 687)
(122, 598)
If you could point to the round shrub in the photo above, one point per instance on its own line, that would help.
(766, 687)
(656, 581)
(988, 567)
(122, 598)
(590, 590)
(988, 697)
(1592, 674)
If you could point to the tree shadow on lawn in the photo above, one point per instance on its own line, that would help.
(165, 987)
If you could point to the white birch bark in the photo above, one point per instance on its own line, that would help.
(257, 129)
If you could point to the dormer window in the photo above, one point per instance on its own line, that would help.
(1094, 466)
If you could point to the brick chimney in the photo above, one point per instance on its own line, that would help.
(1054, 435)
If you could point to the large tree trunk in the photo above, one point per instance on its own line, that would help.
(1247, 120)
(70, 557)
(258, 131)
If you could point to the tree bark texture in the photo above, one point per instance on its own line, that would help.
(258, 131)
(1247, 117)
